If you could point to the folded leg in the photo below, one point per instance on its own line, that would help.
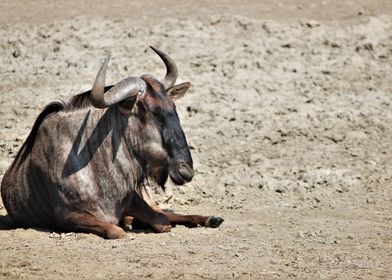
(85, 222)
(142, 213)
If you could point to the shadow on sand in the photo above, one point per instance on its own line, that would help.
(137, 226)
(6, 223)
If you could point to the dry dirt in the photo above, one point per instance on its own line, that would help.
(289, 119)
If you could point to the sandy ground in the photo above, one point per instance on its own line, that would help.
(289, 118)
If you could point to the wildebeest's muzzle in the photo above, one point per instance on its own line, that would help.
(181, 164)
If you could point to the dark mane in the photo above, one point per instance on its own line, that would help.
(82, 100)
(79, 101)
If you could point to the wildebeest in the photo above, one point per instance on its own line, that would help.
(85, 164)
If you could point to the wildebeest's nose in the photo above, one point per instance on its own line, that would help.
(185, 171)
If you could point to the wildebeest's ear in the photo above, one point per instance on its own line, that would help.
(178, 91)
(127, 105)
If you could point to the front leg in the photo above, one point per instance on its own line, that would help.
(185, 220)
(194, 220)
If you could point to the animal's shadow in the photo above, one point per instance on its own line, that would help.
(78, 159)
(137, 227)
(6, 223)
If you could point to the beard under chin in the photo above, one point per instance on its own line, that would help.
(159, 175)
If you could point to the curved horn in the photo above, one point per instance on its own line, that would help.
(124, 89)
(171, 68)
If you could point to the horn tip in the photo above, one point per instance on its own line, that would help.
(107, 58)
(158, 51)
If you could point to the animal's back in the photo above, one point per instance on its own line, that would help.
(25, 187)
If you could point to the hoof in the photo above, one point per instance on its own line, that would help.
(161, 228)
(214, 221)
(115, 233)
